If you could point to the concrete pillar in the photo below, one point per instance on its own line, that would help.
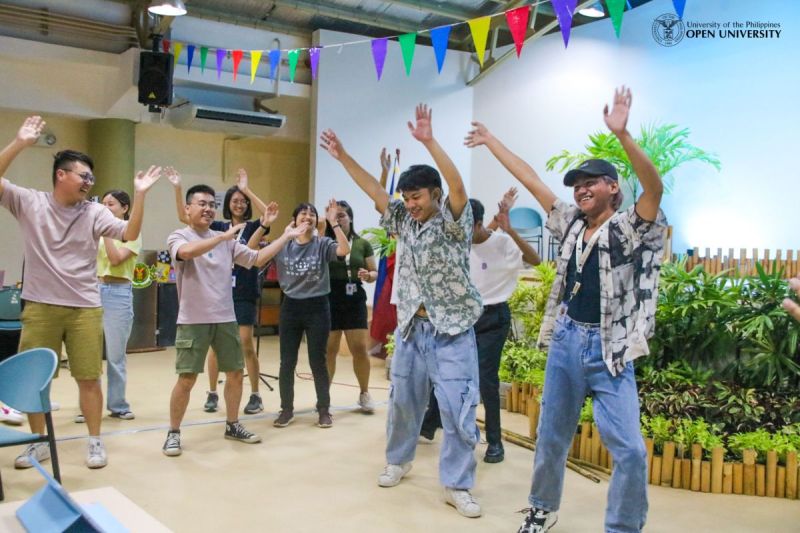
(112, 147)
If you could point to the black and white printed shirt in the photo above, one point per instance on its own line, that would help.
(630, 254)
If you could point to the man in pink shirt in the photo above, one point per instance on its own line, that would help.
(61, 230)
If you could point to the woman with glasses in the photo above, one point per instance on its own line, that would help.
(348, 302)
(237, 208)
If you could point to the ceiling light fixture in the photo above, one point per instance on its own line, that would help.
(594, 11)
(167, 8)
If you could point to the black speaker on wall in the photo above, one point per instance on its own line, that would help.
(155, 78)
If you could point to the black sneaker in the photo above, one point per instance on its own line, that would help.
(325, 419)
(285, 417)
(255, 405)
(494, 453)
(236, 431)
(172, 446)
(211, 402)
(537, 521)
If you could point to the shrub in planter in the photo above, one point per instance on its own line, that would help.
(528, 303)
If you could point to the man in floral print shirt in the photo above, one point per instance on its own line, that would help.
(598, 319)
(437, 307)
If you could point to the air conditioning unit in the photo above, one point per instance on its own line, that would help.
(233, 121)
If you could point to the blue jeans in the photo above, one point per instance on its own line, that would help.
(450, 364)
(575, 368)
(117, 300)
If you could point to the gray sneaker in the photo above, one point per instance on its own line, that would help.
(392, 474)
(172, 446)
(365, 403)
(39, 451)
(236, 431)
(463, 501)
(211, 402)
(325, 419)
(96, 456)
(255, 405)
(285, 417)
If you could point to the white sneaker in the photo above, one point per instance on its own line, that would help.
(365, 403)
(96, 456)
(463, 501)
(39, 451)
(55, 406)
(80, 419)
(11, 416)
(392, 474)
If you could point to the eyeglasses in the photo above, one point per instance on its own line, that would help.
(205, 205)
(87, 177)
(239, 202)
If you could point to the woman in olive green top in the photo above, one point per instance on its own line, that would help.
(349, 303)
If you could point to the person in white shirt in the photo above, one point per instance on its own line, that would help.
(495, 260)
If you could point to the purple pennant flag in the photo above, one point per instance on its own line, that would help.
(189, 56)
(220, 58)
(379, 54)
(679, 7)
(274, 59)
(564, 10)
(440, 36)
(314, 55)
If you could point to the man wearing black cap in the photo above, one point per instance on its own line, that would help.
(599, 315)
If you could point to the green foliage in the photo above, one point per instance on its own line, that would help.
(528, 302)
(759, 440)
(587, 411)
(659, 428)
(522, 363)
(389, 346)
(382, 244)
(667, 146)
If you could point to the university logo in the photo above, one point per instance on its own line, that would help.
(668, 29)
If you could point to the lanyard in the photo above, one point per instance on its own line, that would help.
(347, 260)
(582, 254)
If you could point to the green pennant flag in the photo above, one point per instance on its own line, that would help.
(407, 44)
(203, 56)
(615, 10)
(293, 56)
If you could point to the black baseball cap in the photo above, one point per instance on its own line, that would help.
(591, 167)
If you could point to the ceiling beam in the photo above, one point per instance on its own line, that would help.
(437, 8)
(249, 22)
(352, 15)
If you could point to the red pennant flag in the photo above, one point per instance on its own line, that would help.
(518, 25)
(165, 45)
(237, 58)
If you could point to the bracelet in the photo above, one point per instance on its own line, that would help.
(336, 226)
(265, 228)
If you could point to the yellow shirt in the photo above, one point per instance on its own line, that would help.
(122, 270)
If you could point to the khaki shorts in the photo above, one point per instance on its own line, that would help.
(80, 329)
(193, 340)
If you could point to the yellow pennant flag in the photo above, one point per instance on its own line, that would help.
(176, 49)
(255, 58)
(480, 31)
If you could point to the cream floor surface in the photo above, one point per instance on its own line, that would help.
(306, 479)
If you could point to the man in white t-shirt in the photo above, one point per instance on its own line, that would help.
(495, 260)
(61, 231)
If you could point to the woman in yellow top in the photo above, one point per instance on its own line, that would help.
(115, 262)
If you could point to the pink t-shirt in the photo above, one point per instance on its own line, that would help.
(60, 245)
(204, 283)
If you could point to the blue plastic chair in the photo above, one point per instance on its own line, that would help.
(527, 223)
(10, 309)
(25, 385)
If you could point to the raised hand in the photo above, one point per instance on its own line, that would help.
(422, 130)
(231, 232)
(331, 211)
(331, 144)
(502, 219)
(617, 119)
(144, 180)
(241, 179)
(508, 201)
(30, 130)
(270, 214)
(386, 160)
(173, 176)
(477, 136)
(293, 231)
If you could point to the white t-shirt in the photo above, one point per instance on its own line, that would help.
(494, 266)
(204, 283)
(60, 245)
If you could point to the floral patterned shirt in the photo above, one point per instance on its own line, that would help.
(433, 269)
(630, 252)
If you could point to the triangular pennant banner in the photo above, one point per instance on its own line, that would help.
(407, 44)
(274, 60)
(517, 20)
(165, 45)
(293, 56)
(379, 54)
(564, 10)
(615, 10)
(480, 30)
(220, 57)
(189, 56)
(313, 53)
(440, 36)
(680, 5)
(237, 58)
(177, 47)
(203, 57)
(255, 59)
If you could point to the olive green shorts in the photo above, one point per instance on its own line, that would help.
(193, 340)
(80, 329)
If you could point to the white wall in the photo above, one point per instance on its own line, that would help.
(737, 97)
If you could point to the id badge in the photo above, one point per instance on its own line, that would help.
(233, 281)
(350, 289)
